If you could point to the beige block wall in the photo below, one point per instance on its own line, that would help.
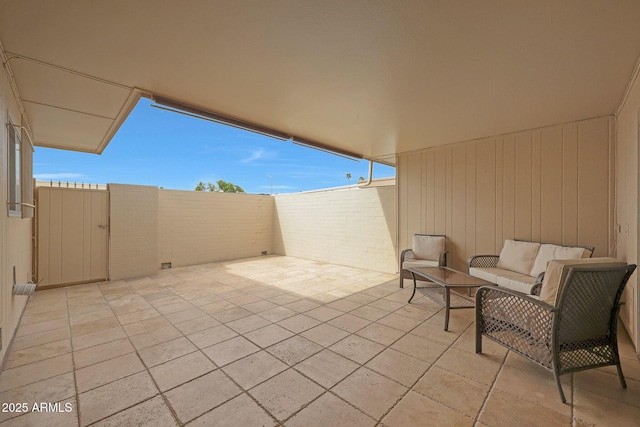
(627, 140)
(133, 231)
(200, 227)
(349, 227)
(554, 184)
(15, 233)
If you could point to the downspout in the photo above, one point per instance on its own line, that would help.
(370, 177)
(26, 132)
(16, 94)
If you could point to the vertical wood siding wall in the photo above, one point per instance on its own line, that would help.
(627, 141)
(72, 235)
(553, 185)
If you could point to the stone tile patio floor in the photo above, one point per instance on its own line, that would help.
(282, 341)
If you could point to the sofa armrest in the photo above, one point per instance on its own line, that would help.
(483, 261)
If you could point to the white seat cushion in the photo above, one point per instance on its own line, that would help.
(490, 274)
(517, 282)
(548, 252)
(419, 263)
(427, 247)
(518, 256)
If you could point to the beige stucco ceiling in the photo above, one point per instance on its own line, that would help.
(371, 77)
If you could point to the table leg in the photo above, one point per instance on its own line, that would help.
(415, 285)
(447, 304)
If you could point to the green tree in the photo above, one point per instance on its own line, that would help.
(229, 187)
(221, 186)
(201, 186)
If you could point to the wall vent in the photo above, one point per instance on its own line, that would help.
(165, 265)
(264, 253)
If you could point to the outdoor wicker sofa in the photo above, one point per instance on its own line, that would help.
(521, 264)
(570, 327)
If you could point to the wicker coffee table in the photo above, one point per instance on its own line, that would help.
(442, 280)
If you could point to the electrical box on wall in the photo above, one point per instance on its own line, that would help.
(622, 229)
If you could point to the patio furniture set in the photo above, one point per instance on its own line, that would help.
(555, 305)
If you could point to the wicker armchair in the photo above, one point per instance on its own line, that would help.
(409, 258)
(575, 334)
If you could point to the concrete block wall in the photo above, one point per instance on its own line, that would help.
(353, 227)
(151, 226)
(134, 231)
(200, 227)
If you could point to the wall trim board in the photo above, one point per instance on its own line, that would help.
(502, 135)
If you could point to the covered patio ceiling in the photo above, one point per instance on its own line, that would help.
(370, 78)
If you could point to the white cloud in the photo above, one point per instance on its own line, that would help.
(255, 155)
(57, 176)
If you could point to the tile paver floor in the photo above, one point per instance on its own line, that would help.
(282, 341)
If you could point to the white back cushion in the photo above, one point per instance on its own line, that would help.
(518, 256)
(548, 252)
(427, 247)
(558, 270)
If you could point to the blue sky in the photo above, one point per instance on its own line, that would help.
(169, 150)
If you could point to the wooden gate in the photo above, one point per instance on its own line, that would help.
(72, 240)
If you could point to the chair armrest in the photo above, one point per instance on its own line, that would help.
(405, 254)
(486, 293)
(442, 262)
(518, 321)
(538, 285)
(483, 261)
